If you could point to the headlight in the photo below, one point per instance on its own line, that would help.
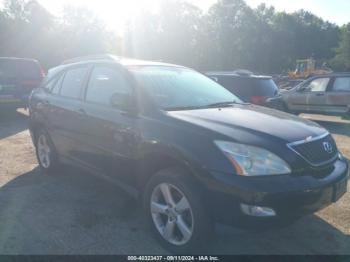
(253, 161)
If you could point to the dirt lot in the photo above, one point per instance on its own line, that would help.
(76, 213)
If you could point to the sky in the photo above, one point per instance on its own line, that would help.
(115, 12)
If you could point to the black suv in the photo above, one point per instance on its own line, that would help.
(18, 77)
(248, 87)
(184, 145)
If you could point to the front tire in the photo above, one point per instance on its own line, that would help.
(176, 212)
(45, 152)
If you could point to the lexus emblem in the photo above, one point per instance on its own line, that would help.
(328, 147)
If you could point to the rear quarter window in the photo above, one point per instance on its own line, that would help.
(341, 84)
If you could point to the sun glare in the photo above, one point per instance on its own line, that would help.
(114, 13)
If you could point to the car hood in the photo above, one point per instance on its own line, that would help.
(247, 122)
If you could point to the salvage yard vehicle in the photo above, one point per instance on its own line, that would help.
(18, 77)
(248, 87)
(306, 68)
(327, 94)
(190, 150)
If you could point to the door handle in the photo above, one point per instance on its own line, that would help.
(319, 94)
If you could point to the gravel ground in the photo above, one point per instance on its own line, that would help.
(74, 212)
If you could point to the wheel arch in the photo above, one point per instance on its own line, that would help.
(155, 161)
(34, 128)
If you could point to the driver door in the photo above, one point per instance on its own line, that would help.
(316, 98)
(111, 133)
(297, 99)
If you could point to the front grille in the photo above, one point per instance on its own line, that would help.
(316, 151)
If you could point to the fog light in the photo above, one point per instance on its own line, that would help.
(257, 211)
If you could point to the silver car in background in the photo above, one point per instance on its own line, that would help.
(326, 94)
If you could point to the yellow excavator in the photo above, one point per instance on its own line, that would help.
(306, 68)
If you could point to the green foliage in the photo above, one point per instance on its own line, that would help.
(230, 35)
(341, 61)
(29, 30)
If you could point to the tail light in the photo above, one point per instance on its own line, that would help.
(42, 72)
(258, 100)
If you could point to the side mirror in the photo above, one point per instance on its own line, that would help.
(124, 102)
(302, 89)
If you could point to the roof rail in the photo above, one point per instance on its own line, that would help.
(90, 57)
(243, 72)
(340, 73)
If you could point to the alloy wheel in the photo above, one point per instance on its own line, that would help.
(44, 151)
(172, 214)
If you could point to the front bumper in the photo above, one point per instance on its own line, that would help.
(290, 196)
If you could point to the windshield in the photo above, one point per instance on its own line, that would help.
(174, 88)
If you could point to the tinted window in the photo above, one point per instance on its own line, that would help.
(73, 82)
(105, 82)
(19, 69)
(58, 83)
(247, 87)
(50, 84)
(342, 84)
(178, 88)
(318, 85)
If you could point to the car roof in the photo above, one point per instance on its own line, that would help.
(107, 58)
(18, 59)
(237, 74)
(124, 61)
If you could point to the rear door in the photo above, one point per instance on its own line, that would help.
(338, 95)
(316, 97)
(64, 110)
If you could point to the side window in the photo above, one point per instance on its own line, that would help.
(341, 84)
(318, 85)
(73, 82)
(49, 84)
(104, 83)
(56, 88)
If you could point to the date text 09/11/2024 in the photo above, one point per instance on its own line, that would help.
(173, 258)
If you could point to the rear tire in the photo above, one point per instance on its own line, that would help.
(176, 213)
(45, 152)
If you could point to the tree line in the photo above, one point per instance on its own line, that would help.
(228, 36)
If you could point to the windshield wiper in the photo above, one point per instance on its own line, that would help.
(223, 104)
(220, 104)
(179, 108)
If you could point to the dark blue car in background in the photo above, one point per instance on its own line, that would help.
(18, 77)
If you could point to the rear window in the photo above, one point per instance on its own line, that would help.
(19, 69)
(247, 87)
